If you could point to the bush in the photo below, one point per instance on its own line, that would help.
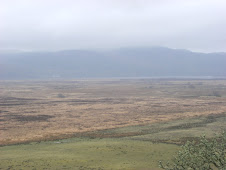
(60, 95)
(216, 94)
(201, 155)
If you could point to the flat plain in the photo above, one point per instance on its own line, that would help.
(48, 110)
(105, 123)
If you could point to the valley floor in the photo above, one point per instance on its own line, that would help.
(105, 124)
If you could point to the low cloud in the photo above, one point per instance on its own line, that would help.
(57, 24)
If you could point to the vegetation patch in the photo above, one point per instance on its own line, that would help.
(27, 118)
(86, 153)
(208, 154)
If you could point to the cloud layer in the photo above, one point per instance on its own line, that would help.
(198, 25)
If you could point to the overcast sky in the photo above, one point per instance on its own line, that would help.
(198, 25)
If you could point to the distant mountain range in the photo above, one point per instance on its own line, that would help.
(124, 62)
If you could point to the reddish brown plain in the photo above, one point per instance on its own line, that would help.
(47, 110)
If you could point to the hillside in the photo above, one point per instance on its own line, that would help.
(124, 62)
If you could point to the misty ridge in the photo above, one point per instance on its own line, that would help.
(123, 62)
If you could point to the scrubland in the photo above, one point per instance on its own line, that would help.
(106, 123)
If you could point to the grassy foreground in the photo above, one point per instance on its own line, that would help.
(132, 147)
(86, 153)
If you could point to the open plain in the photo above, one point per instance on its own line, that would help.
(49, 110)
(105, 124)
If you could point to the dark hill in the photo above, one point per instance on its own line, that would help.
(125, 62)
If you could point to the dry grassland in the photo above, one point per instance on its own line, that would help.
(46, 110)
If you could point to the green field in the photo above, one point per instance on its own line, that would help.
(85, 153)
(170, 132)
(133, 147)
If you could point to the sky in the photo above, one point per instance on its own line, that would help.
(52, 25)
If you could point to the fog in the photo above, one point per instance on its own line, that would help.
(53, 25)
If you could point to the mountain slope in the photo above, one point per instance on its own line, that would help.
(125, 62)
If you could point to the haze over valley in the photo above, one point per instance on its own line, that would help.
(124, 62)
(112, 84)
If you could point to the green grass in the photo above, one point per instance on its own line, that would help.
(133, 147)
(173, 132)
(85, 153)
(179, 131)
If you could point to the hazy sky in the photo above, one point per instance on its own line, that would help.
(198, 25)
